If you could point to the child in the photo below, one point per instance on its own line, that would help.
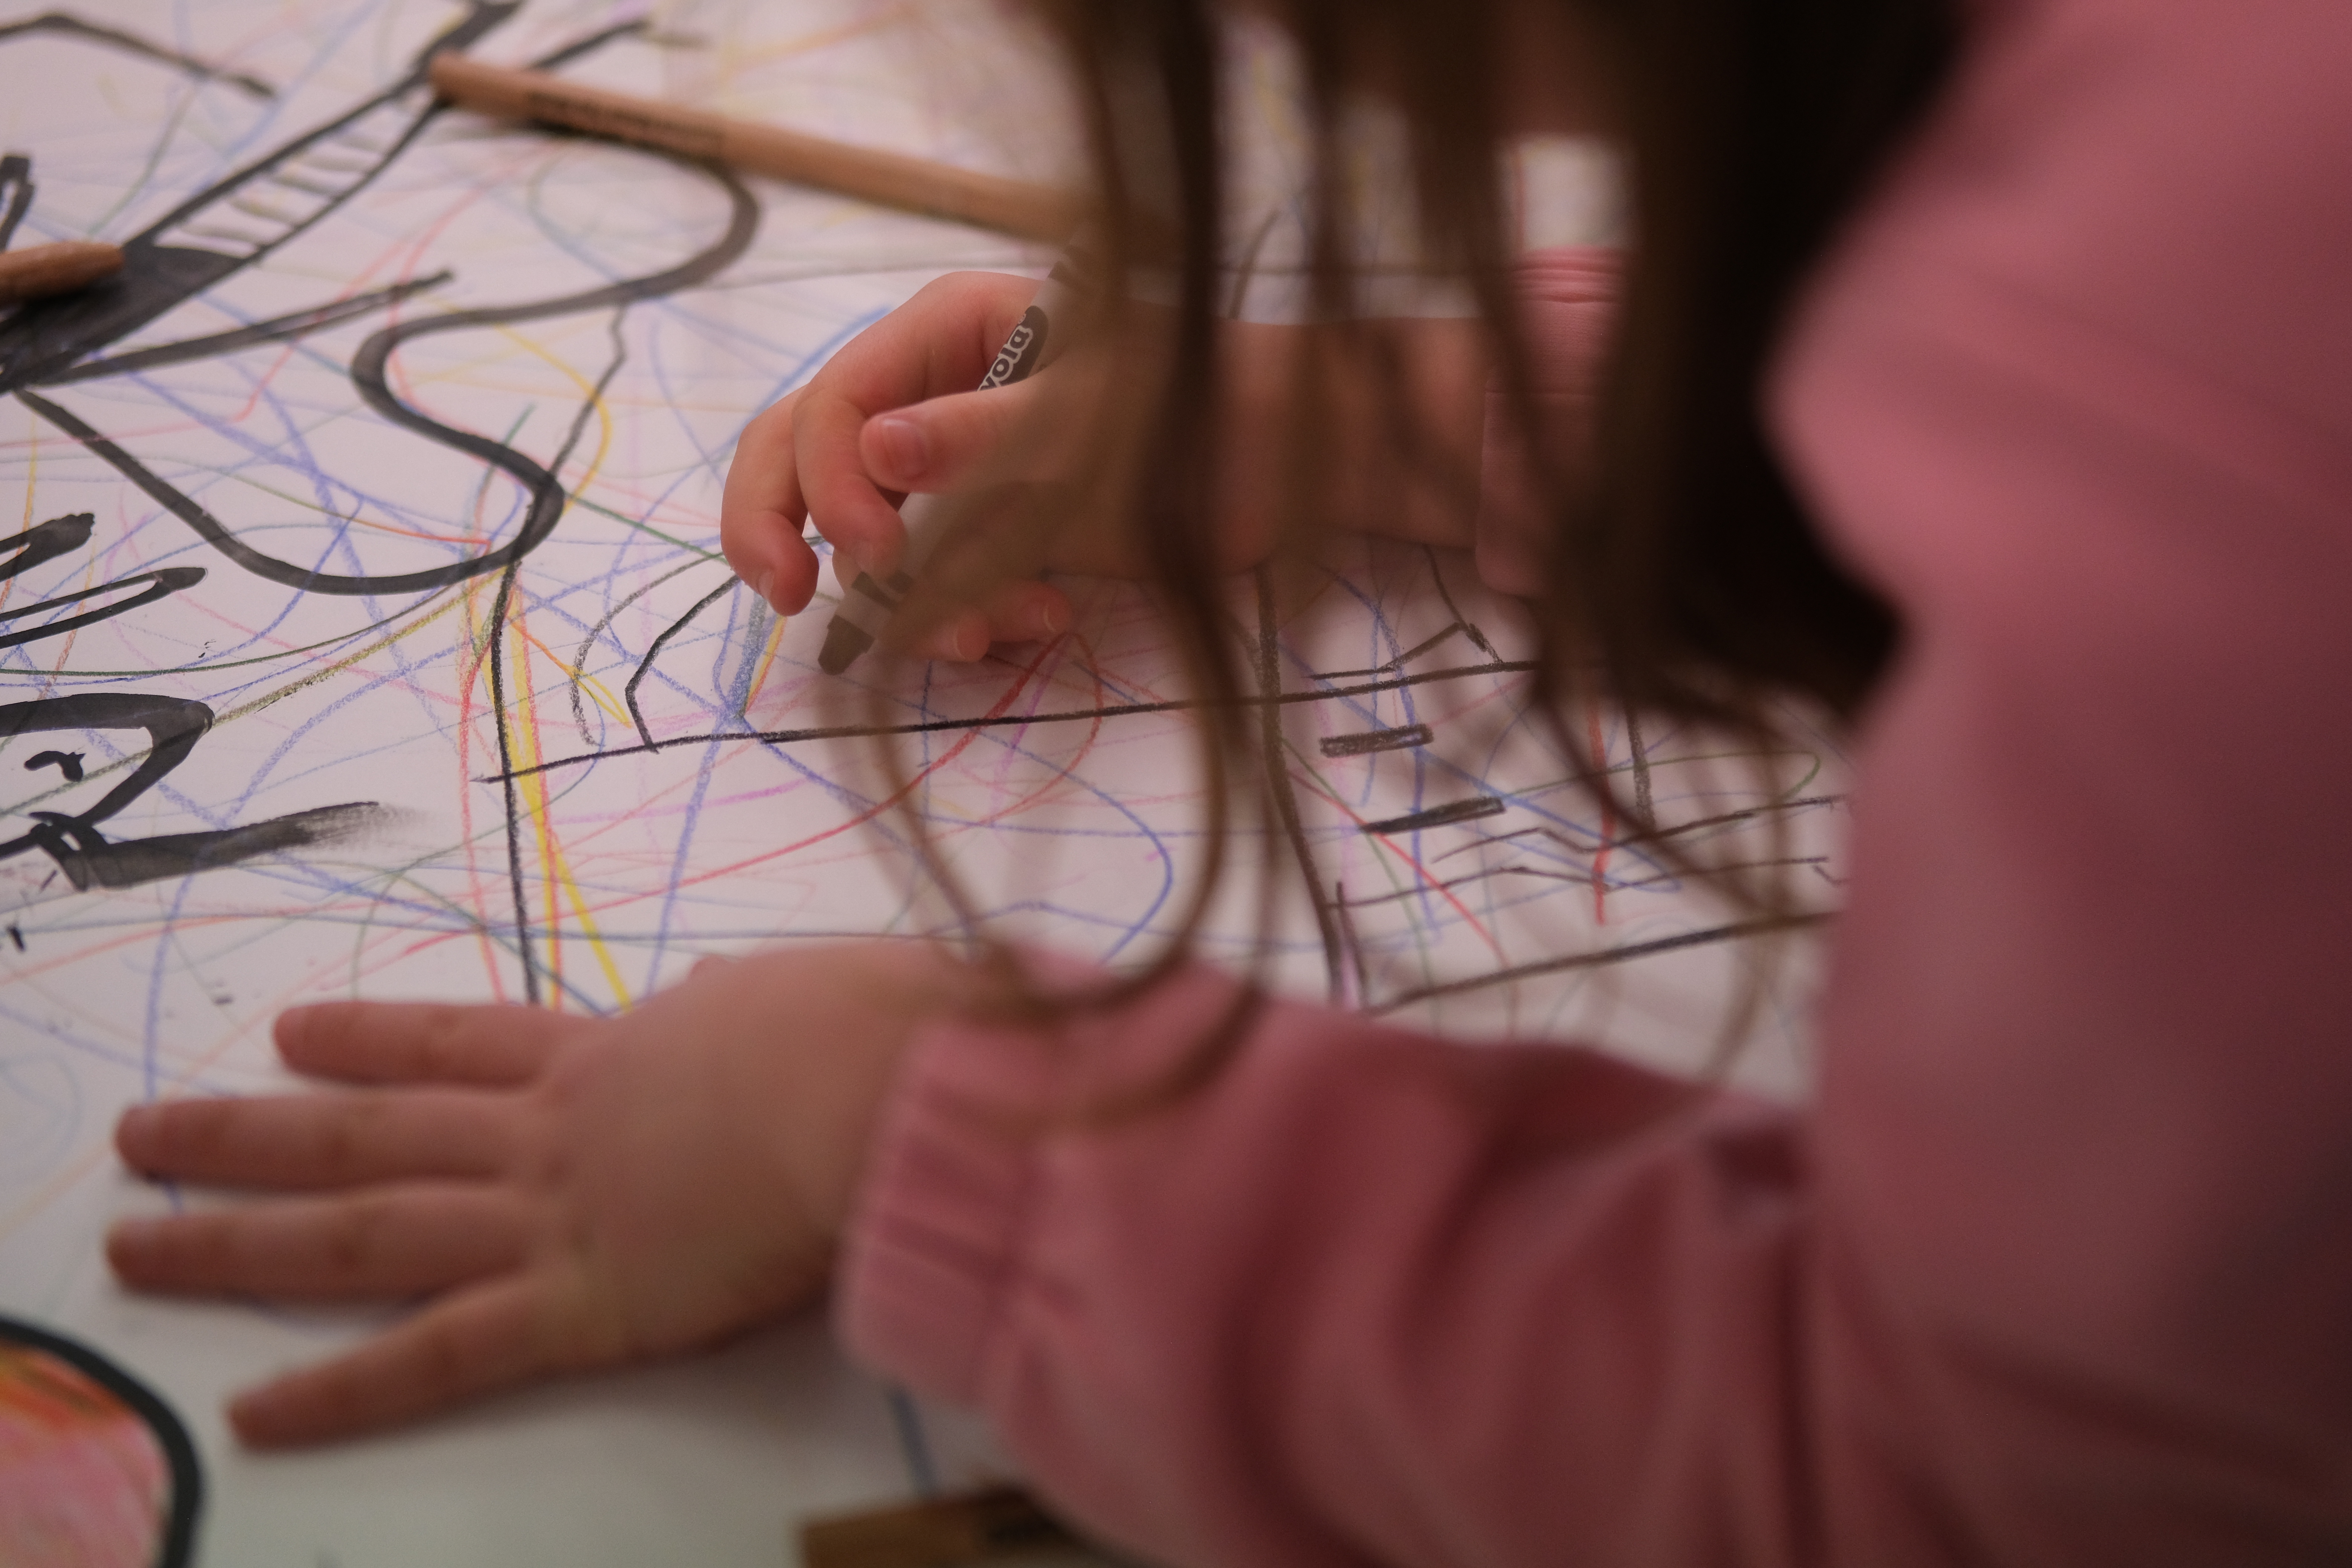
(1988, 376)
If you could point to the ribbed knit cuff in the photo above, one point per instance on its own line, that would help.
(939, 1221)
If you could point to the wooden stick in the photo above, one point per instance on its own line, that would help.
(977, 1527)
(39, 270)
(890, 179)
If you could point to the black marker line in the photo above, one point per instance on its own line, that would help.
(17, 184)
(1366, 741)
(1636, 840)
(131, 43)
(1066, 716)
(1445, 596)
(1595, 959)
(1583, 878)
(162, 583)
(593, 42)
(580, 657)
(47, 541)
(1400, 660)
(513, 795)
(173, 726)
(127, 863)
(1643, 814)
(1437, 815)
(645, 665)
(368, 375)
(276, 329)
(67, 762)
(1278, 787)
(187, 1500)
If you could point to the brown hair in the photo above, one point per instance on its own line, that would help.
(1683, 576)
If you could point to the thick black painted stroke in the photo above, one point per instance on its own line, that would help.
(174, 725)
(46, 337)
(299, 324)
(178, 1543)
(130, 862)
(46, 541)
(17, 188)
(160, 584)
(50, 341)
(368, 373)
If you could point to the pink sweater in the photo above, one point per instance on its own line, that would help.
(2059, 1268)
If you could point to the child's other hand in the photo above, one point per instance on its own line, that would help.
(846, 448)
(564, 1192)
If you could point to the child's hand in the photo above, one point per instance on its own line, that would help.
(895, 411)
(845, 446)
(564, 1192)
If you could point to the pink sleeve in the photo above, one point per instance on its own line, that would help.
(1367, 1298)
(2059, 1270)
(1568, 298)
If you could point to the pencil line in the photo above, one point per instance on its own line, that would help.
(992, 722)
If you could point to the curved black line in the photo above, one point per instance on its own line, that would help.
(173, 726)
(580, 659)
(548, 495)
(271, 330)
(64, 22)
(179, 1451)
(46, 540)
(645, 665)
(497, 631)
(164, 582)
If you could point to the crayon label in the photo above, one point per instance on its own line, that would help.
(1020, 354)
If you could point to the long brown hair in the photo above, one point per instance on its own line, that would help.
(1683, 577)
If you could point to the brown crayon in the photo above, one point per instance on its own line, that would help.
(996, 1525)
(39, 270)
(887, 179)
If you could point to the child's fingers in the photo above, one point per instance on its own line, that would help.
(486, 1337)
(314, 1141)
(1020, 611)
(420, 1041)
(389, 1243)
(760, 512)
(939, 342)
(947, 441)
(856, 517)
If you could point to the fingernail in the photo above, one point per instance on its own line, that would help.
(766, 588)
(1051, 621)
(905, 445)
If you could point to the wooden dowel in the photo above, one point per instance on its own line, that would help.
(39, 270)
(889, 179)
(944, 1532)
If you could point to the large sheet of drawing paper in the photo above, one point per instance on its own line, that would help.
(362, 633)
